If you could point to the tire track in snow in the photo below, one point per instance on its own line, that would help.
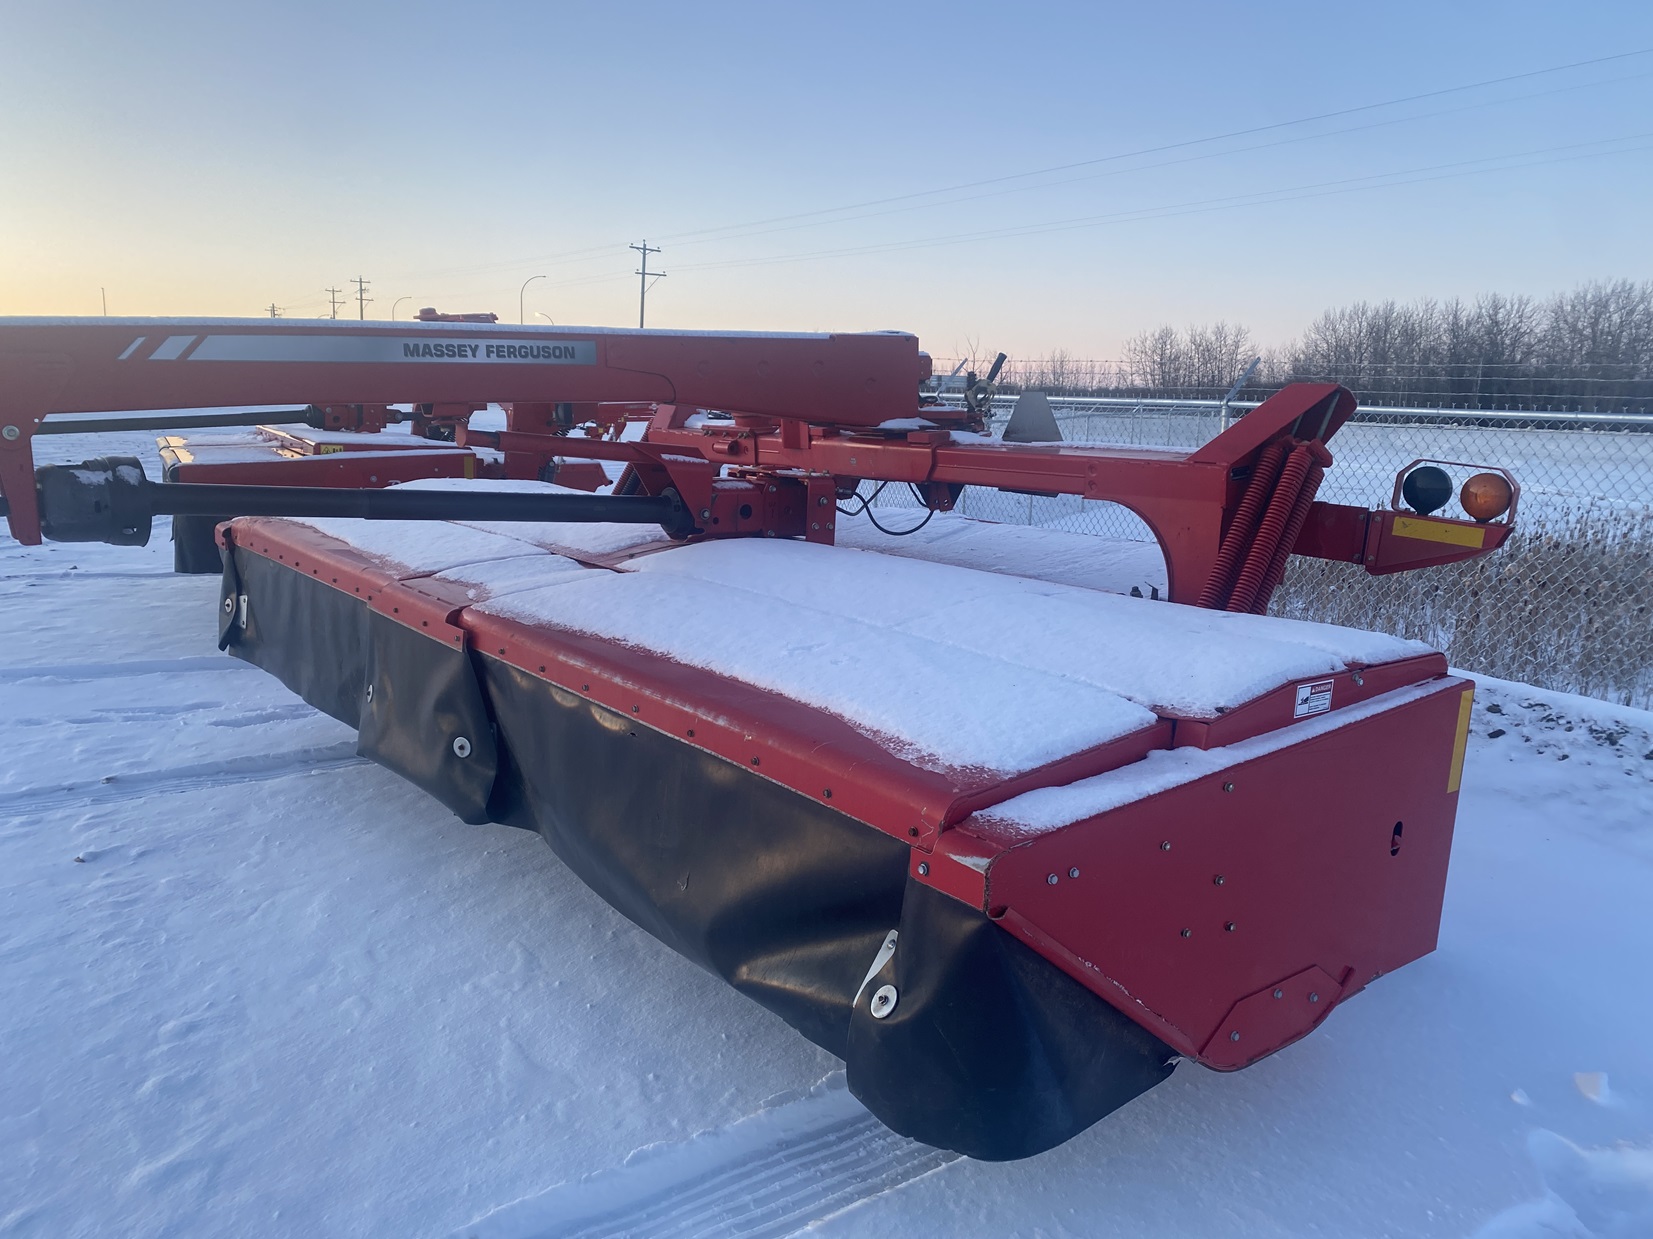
(179, 779)
(766, 1176)
(121, 670)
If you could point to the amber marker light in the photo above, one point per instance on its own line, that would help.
(1486, 496)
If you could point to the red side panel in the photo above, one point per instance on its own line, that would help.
(1306, 699)
(1327, 855)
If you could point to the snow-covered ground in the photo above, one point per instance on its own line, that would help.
(253, 985)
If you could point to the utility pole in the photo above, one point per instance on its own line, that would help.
(104, 293)
(334, 298)
(275, 310)
(645, 250)
(361, 297)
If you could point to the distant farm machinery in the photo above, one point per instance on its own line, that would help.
(1005, 841)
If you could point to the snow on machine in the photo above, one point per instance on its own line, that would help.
(1007, 842)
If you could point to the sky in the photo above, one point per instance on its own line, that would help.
(852, 166)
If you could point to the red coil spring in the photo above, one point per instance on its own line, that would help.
(1288, 538)
(630, 481)
(1243, 528)
(1269, 530)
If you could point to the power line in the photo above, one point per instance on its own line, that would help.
(643, 274)
(275, 310)
(1168, 163)
(1255, 198)
(1387, 369)
(1383, 180)
(361, 297)
(591, 252)
(1172, 146)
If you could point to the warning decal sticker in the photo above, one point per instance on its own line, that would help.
(1315, 698)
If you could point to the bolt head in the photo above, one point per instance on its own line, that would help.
(461, 747)
(1052, 880)
(1235, 1035)
(883, 1002)
(1228, 787)
(1073, 873)
(923, 869)
(229, 606)
(1165, 846)
(1279, 993)
(1229, 926)
(1314, 997)
(1188, 933)
(11, 434)
(1218, 880)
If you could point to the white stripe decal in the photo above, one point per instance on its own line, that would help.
(171, 347)
(132, 348)
(352, 347)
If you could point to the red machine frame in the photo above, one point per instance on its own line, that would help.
(810, 418)
(1226, 912)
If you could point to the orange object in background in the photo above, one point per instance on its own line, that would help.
(1486, 496)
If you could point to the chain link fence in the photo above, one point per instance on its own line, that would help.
(1566, 603)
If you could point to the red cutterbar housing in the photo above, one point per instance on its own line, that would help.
(1184, 871)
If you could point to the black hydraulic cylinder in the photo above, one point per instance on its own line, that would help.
(110, 500)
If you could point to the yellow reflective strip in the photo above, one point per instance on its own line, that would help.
(1440, 531)
(1455, 774)
(470, 465)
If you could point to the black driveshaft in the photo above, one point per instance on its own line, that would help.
(110, 500)
(470, 504)
(61, 424)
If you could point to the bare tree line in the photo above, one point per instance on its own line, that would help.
(1590, 348)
